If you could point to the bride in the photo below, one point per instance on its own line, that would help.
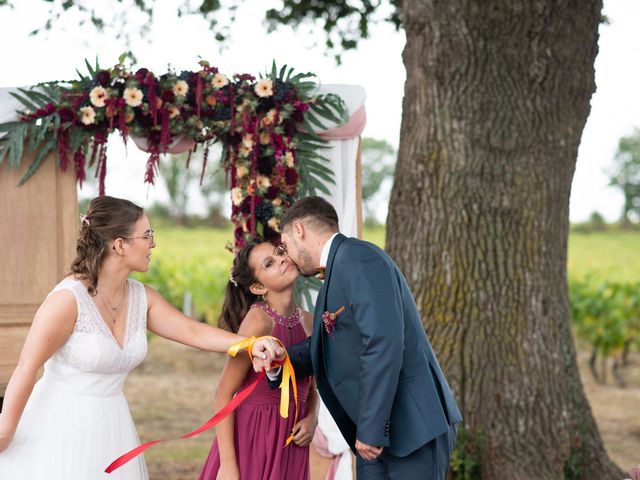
(89, 333)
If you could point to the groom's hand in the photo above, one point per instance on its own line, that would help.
(368, 452)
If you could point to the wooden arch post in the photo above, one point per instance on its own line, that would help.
(38, 229)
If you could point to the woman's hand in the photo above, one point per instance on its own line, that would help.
(303, 430)
(5, 437)
(265, 352)
(228, 472)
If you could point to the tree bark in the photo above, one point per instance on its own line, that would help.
(496, 98)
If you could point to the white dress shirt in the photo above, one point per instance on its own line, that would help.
(324, 255)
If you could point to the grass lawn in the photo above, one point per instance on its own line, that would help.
(612, 256)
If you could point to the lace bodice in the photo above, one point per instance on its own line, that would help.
(91, 361)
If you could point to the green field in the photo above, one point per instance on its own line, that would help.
(197, 261)
(612, 256)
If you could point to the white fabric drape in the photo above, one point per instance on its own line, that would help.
(8, 105)
(342, 157)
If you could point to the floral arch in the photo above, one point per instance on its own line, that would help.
(266, 127)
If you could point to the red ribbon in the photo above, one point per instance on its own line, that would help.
(217, 418)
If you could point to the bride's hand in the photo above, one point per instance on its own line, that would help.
(228, 472)
(266, 351)
(5, 437)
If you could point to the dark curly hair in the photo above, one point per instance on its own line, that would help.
(238, 297)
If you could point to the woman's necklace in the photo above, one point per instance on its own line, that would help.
(288, 322)
(117, 307)
(113, 313)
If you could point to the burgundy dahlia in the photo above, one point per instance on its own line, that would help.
(271, 193)
(141, 74)
(291, 176)
(245, 76)
(103, 77)
(168, 96)
(66, 115)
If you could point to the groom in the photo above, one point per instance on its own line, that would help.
(375, 369)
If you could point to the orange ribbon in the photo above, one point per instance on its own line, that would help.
(288, 375)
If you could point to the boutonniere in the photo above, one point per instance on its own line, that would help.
(329, 320)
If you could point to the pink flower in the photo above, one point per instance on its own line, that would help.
(303, 107)
(329, 318)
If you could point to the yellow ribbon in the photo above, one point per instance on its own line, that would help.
(288, 375)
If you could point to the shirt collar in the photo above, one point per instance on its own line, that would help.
(324, 256)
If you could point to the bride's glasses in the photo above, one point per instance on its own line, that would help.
(148, 236)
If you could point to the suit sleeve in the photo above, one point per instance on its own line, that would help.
(300, 355)
(375, 297)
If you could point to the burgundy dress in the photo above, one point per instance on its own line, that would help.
(260, 432)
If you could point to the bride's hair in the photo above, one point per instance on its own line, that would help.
(107, 218)
(238, 297)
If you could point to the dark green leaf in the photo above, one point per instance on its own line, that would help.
(27, 103)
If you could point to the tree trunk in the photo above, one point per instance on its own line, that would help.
(496, 98)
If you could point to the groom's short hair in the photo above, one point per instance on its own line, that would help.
(314, 210)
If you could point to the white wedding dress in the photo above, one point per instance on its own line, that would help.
(77, 420)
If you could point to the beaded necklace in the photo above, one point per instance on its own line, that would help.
(280, 319)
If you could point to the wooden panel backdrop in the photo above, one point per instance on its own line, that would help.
(38, 229)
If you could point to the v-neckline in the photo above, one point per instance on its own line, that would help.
(126, 319)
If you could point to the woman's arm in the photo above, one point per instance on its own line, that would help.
(51, 327)
(168, 322)
(235, 370)
(304, 430)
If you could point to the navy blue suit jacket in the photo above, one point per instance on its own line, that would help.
(377, 373)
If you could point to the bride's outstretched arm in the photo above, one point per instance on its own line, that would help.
(52, 326)
(168, 322)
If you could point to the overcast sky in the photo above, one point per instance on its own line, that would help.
(376, 65)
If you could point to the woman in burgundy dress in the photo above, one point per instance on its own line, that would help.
(249, 444)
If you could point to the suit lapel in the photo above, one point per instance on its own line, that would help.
(337, 241)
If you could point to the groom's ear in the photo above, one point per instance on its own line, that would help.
(298, 229)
